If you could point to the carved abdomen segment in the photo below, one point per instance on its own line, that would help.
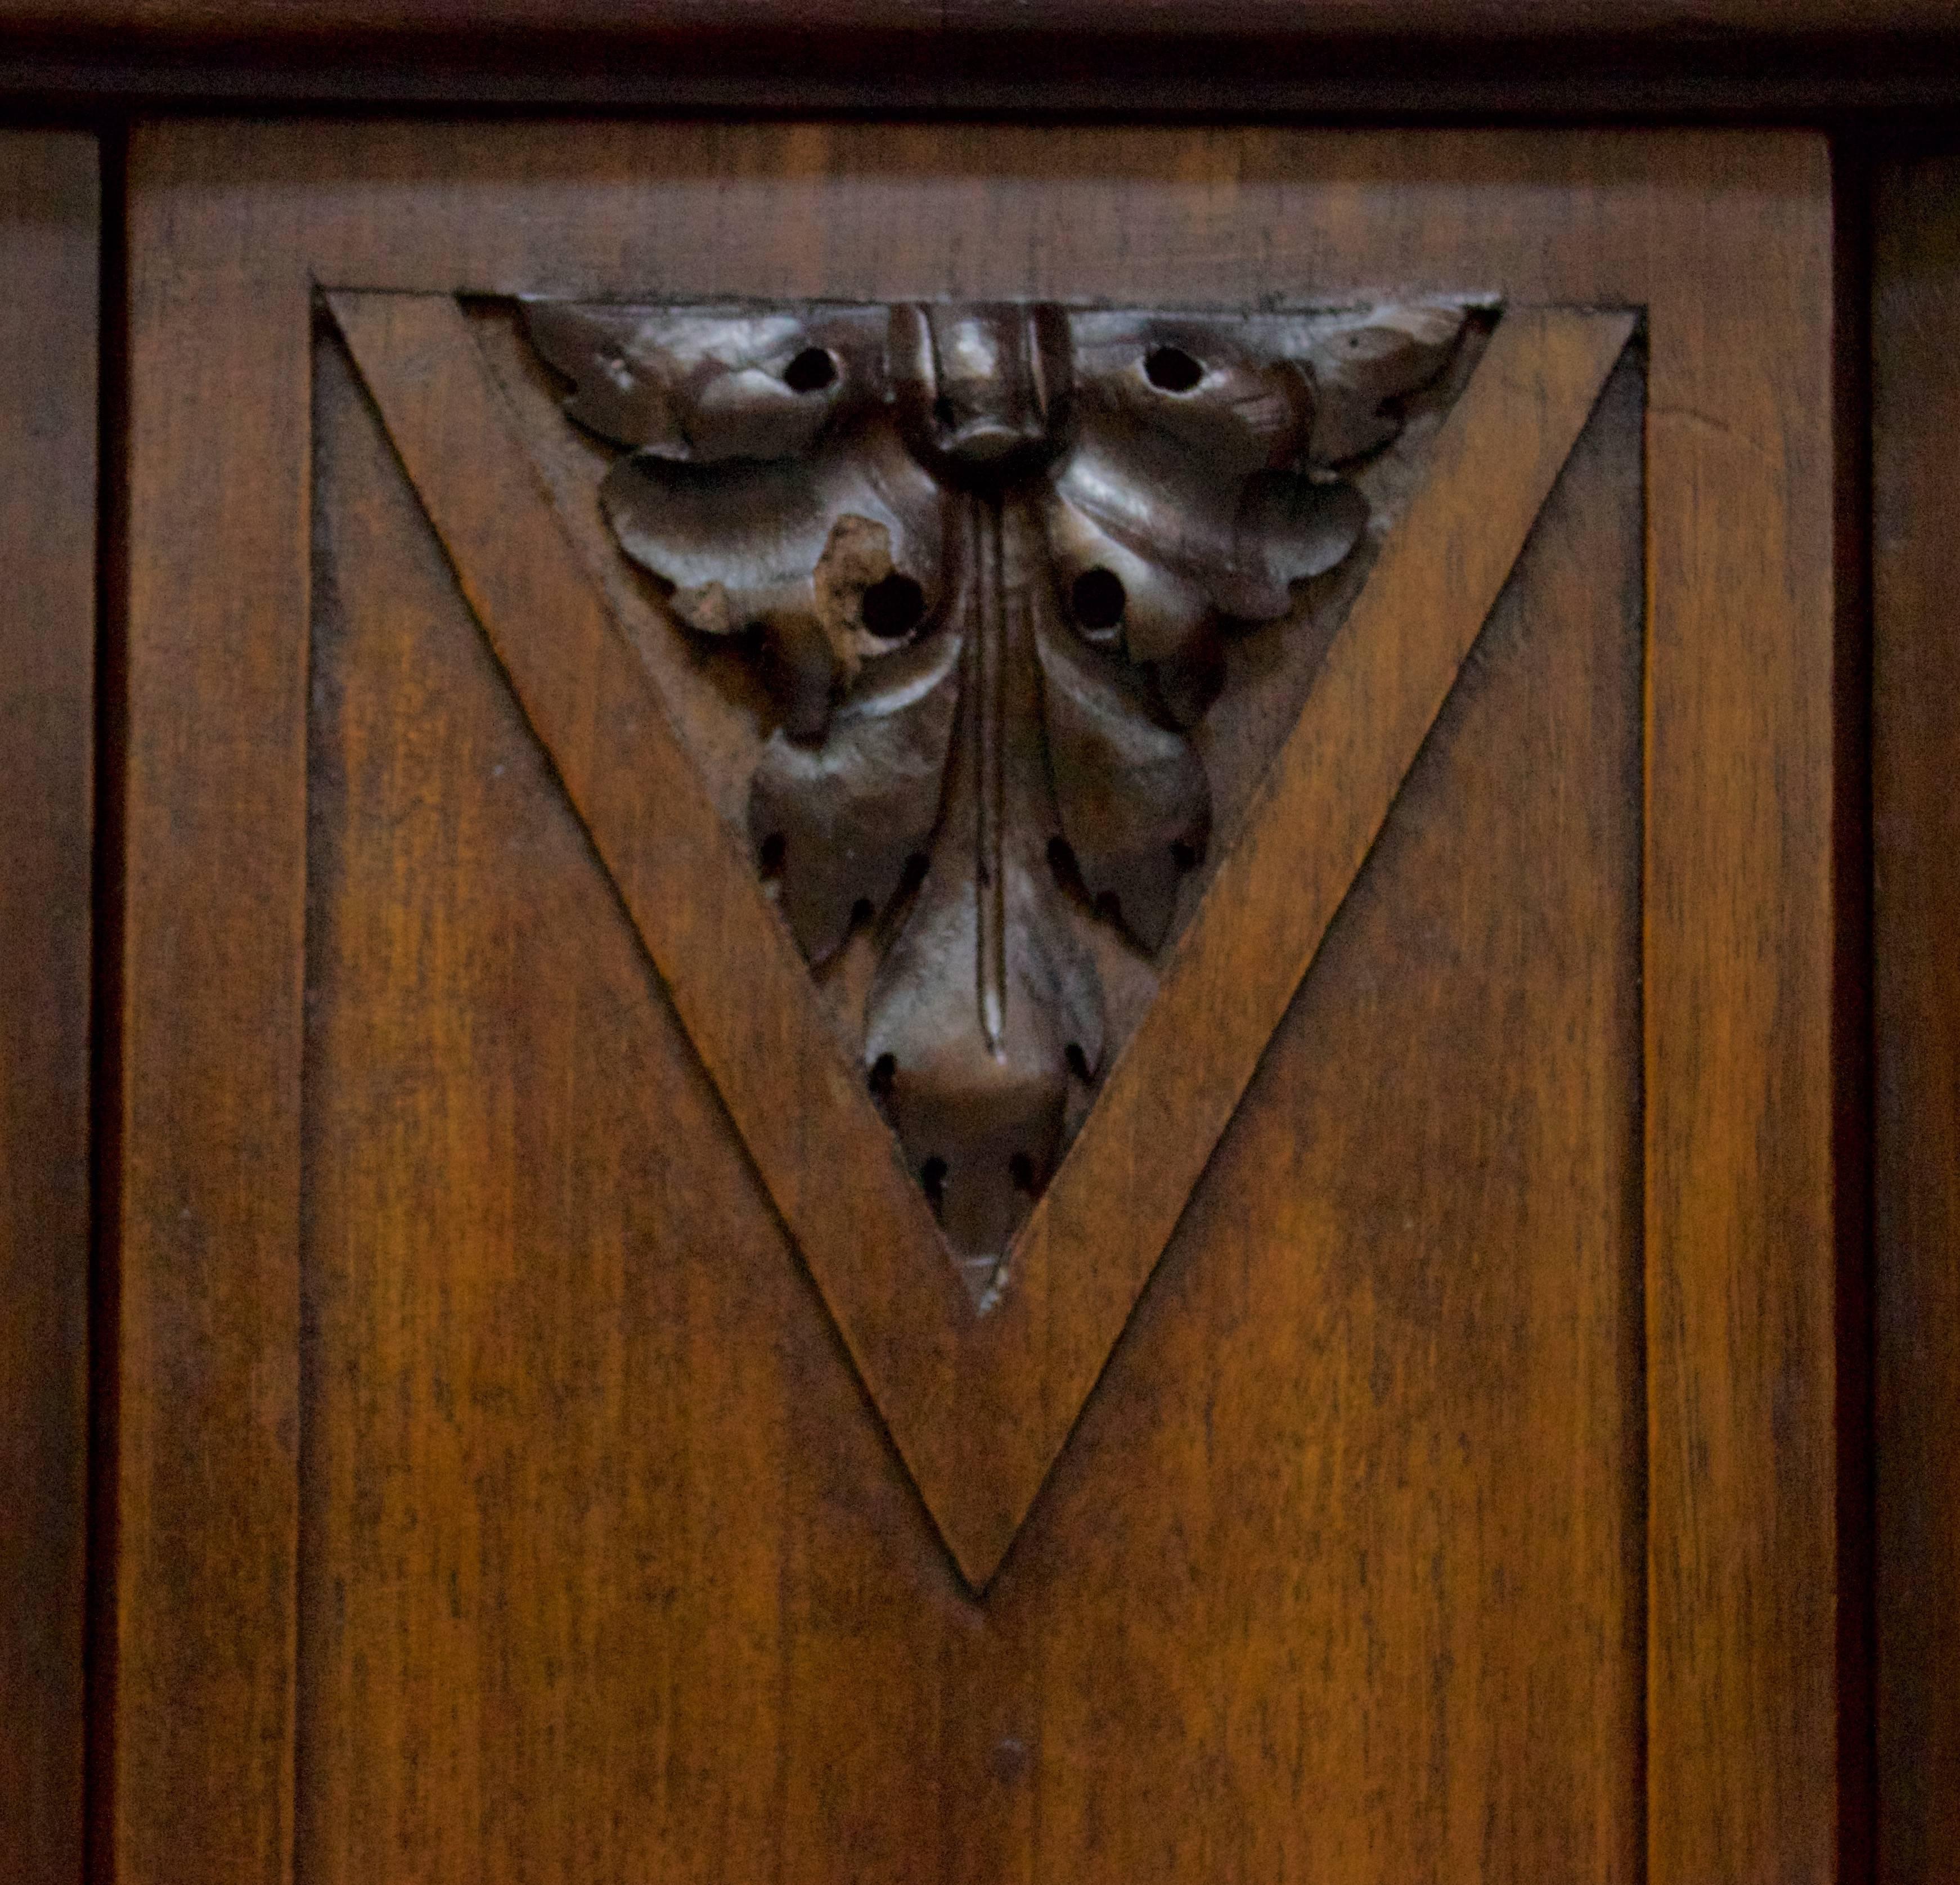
(988, 1005)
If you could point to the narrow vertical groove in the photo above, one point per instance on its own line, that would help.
(1853, 1042)
(99, 1642)
(993, 962)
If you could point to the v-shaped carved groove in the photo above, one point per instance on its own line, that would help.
(979, 1407)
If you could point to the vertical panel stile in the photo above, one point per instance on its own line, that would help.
(212, 976)
(49, 229)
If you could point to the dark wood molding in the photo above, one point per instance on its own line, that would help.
(48, 233)
(1368, 60)
(270, 22)
(1916, 397)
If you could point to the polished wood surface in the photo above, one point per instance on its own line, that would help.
(1254, 1628)
(1916, 737)
(48, 235)
(346, 1552)
(980, 1406)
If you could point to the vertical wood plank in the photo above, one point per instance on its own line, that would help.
(49, 236)
(1740, 976)
(215, 872)
(1915, 742)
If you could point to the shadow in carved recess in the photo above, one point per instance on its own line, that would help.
(1004, 608)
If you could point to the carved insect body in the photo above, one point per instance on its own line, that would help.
(992, 550)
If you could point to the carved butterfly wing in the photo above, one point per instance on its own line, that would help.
(1198, 487)
(842, 819)
(768, 485)
(707, 383)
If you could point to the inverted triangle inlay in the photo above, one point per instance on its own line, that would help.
(979, 1407)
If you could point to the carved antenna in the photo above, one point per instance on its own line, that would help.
(988, 656)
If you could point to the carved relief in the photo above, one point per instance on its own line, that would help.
(988, 556)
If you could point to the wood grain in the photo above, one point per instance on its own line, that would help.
(1724, 241)
(1915, 732)
(544, 1635)
(979, 1408)
(1079, 1265)
(49, 234)
(214, 869)
(1298, 1574)
(587, 1589)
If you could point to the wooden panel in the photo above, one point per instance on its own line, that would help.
(1724, 241)
(567, 1440)
(1344, 1642)
(979, 1406)
(1916, 737)
(49, 198)
(213, 863)
(568, 1540)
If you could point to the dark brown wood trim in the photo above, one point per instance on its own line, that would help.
(48, 218)
(1603, 59)
(1916, 988)
(648, 22)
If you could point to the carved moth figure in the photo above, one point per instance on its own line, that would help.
(988, 554)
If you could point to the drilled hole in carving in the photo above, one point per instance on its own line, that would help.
(891, 606)
(884, 1071)
(1171, 370)
(916, 867)
(1108, 907)
(1021, 1170)
(861, 912)
(770, 854)
(1097, 599)
(1062, 864)
(810, 371)
(1183, 855)
(932, 1176)
(943, 414)
(1078, 1062)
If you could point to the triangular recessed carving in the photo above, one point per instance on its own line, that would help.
(991, 560)
(977, 1404)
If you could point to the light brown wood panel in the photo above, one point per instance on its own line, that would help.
(1724, 243)
(1280, 1578)
(49, 197)
(1915, 734)
(978, 1405)
(542, 1416)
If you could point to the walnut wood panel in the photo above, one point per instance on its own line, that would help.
(48, 242)
(979, 1407)
(1915, 734)
(538, 1415)
(1724, 241)
(472, 1341)
(1414, 1253)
